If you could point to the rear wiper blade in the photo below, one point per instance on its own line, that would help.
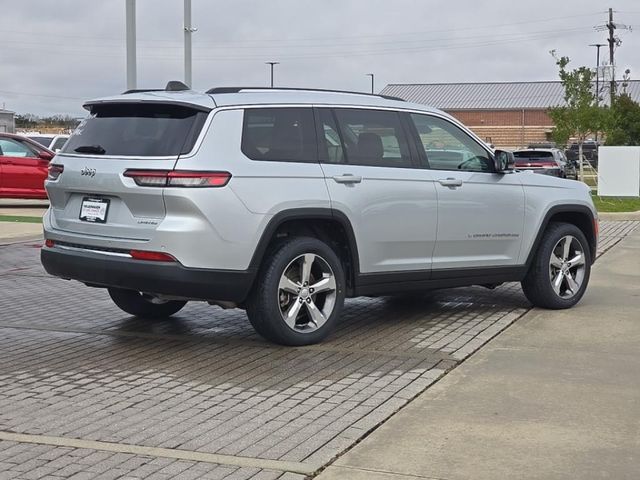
(97, 149)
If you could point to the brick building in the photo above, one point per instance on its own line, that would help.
(506, 114)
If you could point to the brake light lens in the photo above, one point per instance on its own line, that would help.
(49, 243)
(151, 256)
(54, 171)
(178, 178)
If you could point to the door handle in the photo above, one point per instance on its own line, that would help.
(347, 178)
(450, 182)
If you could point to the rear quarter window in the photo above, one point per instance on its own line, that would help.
(141, 130)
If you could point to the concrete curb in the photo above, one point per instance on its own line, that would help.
(619, 216)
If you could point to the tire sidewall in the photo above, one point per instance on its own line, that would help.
(555, 233)
(270, 321)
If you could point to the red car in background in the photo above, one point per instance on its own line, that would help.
(23, 167)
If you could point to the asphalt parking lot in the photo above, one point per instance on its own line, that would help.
(87, 391)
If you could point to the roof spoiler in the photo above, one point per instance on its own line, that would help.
(172, 86)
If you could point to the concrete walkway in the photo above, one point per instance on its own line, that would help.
(556, 396)
(12, 232)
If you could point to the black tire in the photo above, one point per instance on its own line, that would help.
(264, 302)
(135, 303)
(537, 284)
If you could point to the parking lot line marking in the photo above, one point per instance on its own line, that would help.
(247, 462)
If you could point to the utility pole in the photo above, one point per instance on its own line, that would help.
(131, 44)
(372, 82)
(271, 64)
(188, 31)
(613, 42)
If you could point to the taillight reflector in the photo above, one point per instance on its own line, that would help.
(49, 243)
(54, 171)
(178, 178)
(151, 256)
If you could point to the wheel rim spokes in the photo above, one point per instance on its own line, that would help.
(307, 293)
(567, 267)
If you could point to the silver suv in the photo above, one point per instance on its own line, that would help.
(284, 202)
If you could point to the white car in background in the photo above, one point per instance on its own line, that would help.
(52, 141)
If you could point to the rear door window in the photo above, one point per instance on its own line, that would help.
(279, 134)
(371, 137)
(139, 130)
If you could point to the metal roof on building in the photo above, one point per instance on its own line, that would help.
(491, 96)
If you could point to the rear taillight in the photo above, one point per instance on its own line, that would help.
(54, 171)
(151, 256)
(148, 178)
(49, 243)
(178, 178)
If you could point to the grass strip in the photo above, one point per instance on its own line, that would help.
(20, 219)
(616, 204)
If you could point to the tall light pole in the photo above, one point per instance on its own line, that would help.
(598, 46)
(188, 31)
(272, 64)
(372, 82)
(131, 44)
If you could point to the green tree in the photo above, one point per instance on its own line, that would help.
(580, 115)
(28, 120)
(623, 127)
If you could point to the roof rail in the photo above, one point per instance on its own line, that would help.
(220, 90)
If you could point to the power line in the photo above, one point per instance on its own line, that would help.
(300, 39)
(230, 46)
(367, 50)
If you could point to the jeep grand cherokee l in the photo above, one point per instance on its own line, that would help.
(284, 202)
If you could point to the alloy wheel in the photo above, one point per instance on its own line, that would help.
(307, 293)
(567, 267)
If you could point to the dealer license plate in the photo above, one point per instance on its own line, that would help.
(94, 210)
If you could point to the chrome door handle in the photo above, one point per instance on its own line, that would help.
(347, 178)
(450, 182)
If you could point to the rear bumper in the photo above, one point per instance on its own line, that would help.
(172, 279)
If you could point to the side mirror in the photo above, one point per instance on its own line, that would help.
(504, 161)
(45, 156)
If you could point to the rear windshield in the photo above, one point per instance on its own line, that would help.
(146, 130)
(528, 156)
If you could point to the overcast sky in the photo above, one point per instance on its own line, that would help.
(55, 54)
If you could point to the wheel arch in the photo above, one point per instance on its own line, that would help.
(579, 215)
(328, 225)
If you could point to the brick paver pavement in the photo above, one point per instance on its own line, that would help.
(74, 367)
